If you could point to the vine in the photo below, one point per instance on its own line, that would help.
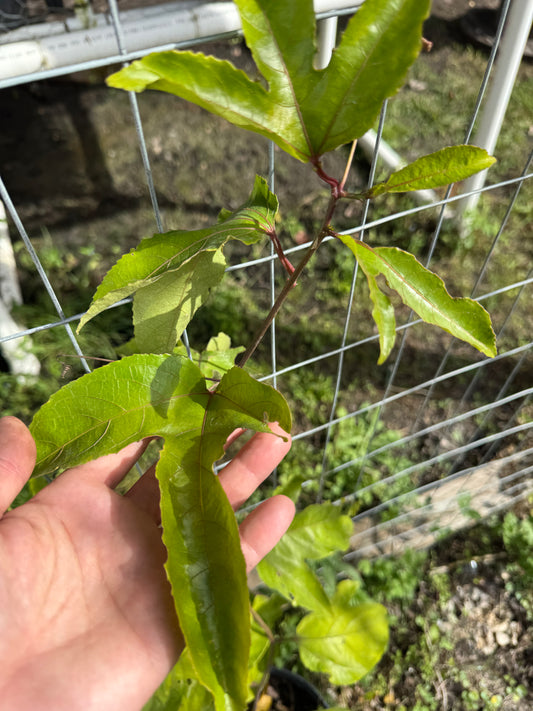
(195, 404)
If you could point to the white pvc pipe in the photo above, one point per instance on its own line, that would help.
(10, 292)
(326, 40)
(17, 352)
(68, 48)
(513, 44)
(75, 23)
(169, 24)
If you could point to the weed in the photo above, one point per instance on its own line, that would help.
(518, 541)
(427, 662)
(394, 579)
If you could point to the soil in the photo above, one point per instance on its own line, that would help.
(489, 640)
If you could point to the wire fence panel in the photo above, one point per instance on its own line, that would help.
(422, 446)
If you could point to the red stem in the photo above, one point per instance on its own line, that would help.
(281, 254)
(291, 281)
(337, 192)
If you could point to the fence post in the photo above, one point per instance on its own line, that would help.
(515, 36)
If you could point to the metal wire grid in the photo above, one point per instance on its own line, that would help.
(413, 517)
(21, 13)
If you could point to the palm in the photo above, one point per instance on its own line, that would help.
(85, 607)
(87, 572)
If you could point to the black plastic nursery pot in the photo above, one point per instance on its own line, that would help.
(291, 692)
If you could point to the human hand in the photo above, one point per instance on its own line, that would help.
(86, 616)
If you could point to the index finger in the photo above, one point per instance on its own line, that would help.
(252, 465)
(17, 459)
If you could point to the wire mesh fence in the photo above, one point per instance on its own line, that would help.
(438, 437)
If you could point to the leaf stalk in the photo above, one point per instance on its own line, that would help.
(293, 277)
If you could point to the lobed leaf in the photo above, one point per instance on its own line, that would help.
(425, 293)
(341, 636)
(306, 111)
(316, 532)
(449, 165)
(171, 274)
(346, 639)
(217, 358)
(146, 395)
(380, 43)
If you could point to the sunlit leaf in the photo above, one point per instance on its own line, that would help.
(342, 636)
(171, 274)
(316, 532)
(177, 694)
(383, 314)
(146, 395)
(306, 111)
(218, 356)
(212, 363)
(425, 293)
(449, 165)
(163, 309)
(216, 359)
(346, 639)
(270, 610)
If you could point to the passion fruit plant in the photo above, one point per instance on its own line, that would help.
(194, 403)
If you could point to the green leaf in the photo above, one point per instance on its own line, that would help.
(163, 310)
(346, 639)
(449, 165)
(425, 293)
(214, 361)
(291, 486)
(383, 315)
(270, 609)
(171, 274)
(204, 567)
(306, 111)
(316, 532)
(178, 694)
(146, 395)
(380, 43)
(218, 356)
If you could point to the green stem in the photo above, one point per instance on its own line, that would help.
(273, 641)
(266, 676)
(260, 621)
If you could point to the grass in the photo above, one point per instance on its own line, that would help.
(443, 653)
(432, 659)
(440, 95)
